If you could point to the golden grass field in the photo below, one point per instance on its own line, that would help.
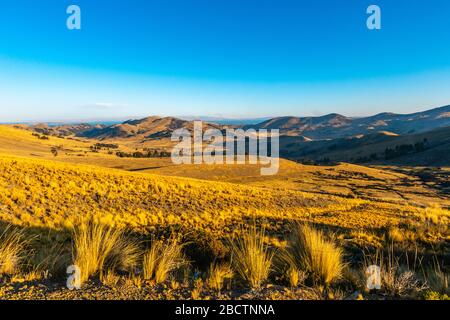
(361, 212)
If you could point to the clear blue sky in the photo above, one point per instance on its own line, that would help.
(232, 58)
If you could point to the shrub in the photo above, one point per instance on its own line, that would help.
(251, 258)
(396, 279)
(399, 281)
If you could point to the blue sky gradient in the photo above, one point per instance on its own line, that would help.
(228, 58)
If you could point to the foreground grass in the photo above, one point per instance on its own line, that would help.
(251, 257)
(218, 274)
(162, 259)
(318, 255)
(162, 271)
(12, 250)
(309, 250)
(92, 246)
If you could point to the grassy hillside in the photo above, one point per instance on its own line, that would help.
(18, 141)
(345, 180)
(363, 148)
(335, 126)
(357, 213)
(54, 195)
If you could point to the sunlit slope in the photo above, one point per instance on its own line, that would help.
(17, 141)
(341, 180)
(53, 195)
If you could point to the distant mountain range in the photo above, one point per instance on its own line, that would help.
(332, 137)
(142, 129)
(335, 126)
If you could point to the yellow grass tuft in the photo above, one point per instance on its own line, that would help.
(12, 250)
(95, 244)
(396, 235)
(251, 258)
(133, 281)
(315, 254)
(289, 268)
(162, 259)
(125, 255)
(109, 278)
(218, 274)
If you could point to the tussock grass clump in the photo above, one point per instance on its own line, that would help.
(13, 244)
(218, 274)
(437, 215)
(97, 247)
(162, 259)
(251, 257)
(50, 260)
(396, 235)
(289, 268)
(125, 255)
(313, 253)
(109, 278)
(437, 279)
(295, 276)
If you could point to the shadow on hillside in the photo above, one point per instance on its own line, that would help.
(143, 169)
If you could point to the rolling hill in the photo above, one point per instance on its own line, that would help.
(334, 126)
(346, 180)
(140, 130)
(331, 138)
(429, 148)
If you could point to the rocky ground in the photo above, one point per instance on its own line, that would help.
(47, 290)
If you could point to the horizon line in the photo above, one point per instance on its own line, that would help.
(198, 117)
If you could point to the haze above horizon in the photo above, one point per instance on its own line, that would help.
(222, 59)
